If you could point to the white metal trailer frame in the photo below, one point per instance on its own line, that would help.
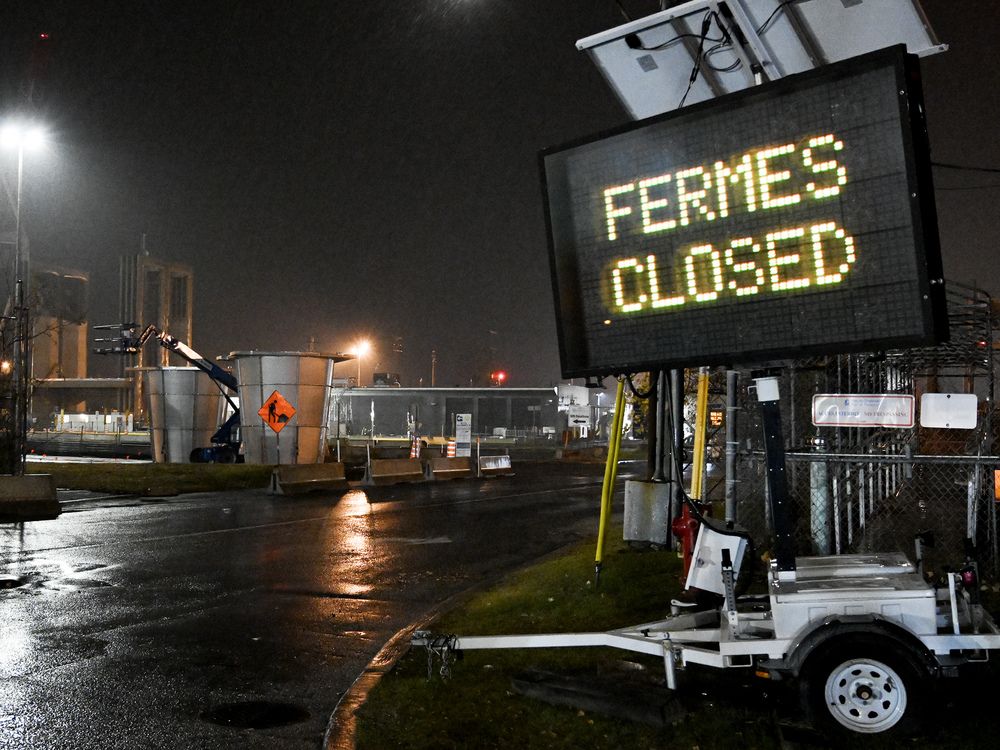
(828, 603)
(869, 588)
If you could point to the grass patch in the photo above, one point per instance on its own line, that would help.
(559, 594)
(155, 479)
(477, 707)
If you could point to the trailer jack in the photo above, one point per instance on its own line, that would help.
(439, 647)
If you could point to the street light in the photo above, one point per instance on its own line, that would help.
(23, 137)
(360, 350)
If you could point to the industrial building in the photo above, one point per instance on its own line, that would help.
(401, 412)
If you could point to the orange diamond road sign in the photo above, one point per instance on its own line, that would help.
(276, 412)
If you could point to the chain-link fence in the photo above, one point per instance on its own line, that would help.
(880, 502)
(873, 489)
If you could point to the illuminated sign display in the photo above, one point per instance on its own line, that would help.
(794, 218)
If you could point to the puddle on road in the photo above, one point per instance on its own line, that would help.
(355, 503)
(356, 633)
(54, 575)
(419, 540)
(255, 714)
(76, 584)
(359, 596)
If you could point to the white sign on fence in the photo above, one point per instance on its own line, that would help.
(956, 411)
(862, 410)
(578, 416)
(463, 434)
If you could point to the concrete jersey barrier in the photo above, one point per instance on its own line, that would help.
(296, 479)
(31, 497)
(393, 471)
(495, 466)
(449, 468)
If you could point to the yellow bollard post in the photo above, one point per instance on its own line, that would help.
(610, 474)
(700, 433)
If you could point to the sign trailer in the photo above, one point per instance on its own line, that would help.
(795, 217)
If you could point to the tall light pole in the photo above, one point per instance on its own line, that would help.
(22, 137)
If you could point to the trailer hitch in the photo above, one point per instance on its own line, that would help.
(439, 646)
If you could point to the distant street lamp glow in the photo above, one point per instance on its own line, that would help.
(361, 348)
(22, 137)
(34, 139)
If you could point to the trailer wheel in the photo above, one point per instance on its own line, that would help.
(865, 685)
(225, 455)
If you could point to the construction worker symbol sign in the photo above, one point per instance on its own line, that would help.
(276, 412)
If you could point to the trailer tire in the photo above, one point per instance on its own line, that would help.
(865, 685)
(225, 455)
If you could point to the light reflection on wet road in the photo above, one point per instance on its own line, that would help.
(129, 619)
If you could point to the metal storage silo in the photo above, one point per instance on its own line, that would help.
(303, 379)
(184, 410)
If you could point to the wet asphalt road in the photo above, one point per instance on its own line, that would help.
(132, 621)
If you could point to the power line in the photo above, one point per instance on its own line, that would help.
(989, 186)
(965, 167)
(723, 43)
(664, 45)
(706, 24)
(723, 47)
(624, 12)
(774, 13)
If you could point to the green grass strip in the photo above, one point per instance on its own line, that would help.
(477, 707)
(154, 479)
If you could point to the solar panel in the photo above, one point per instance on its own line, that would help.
(738, 43)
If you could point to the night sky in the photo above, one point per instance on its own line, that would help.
(336, 170)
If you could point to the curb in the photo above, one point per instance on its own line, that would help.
(342, 727)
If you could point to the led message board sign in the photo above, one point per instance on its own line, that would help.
(789, 219)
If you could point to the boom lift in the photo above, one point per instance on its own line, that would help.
(225, 442)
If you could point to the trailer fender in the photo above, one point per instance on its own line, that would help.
(841, 626)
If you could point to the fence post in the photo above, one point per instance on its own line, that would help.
(819, 501)
(849, 482)
(837, 543)
(732, 408)
(872, 485)
(777, 480)
(973, 503)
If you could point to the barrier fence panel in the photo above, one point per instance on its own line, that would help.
(845, 503)
(873, 488)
